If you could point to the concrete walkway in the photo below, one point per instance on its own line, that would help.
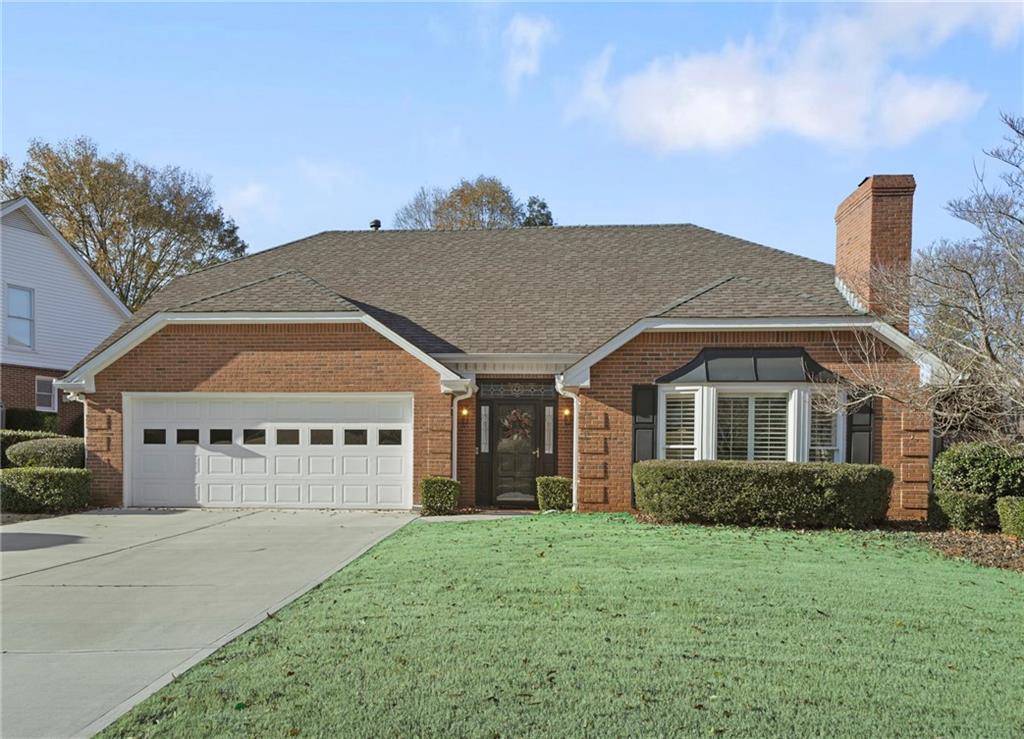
(100, 609)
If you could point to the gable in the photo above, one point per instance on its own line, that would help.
(18, 219)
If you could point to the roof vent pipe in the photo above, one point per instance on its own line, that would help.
(375, 224)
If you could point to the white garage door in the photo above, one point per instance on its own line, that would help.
(337, 451)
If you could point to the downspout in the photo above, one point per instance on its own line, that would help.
(470, 389)
(565, 392)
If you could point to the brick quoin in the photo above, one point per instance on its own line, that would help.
(606, 412)
(18, 390)
(262, 358)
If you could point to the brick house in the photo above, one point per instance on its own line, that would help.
(55, 311)
(340, 369)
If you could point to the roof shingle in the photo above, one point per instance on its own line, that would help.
(554, 289)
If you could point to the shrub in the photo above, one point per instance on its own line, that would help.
(29, 419)
(554, 493)
(59, 452)
(10, 437)
(43, 490)
(1011, 515)
(964, 511)
(763, 494)
(439, 495)
(980, 468)
(968, 478)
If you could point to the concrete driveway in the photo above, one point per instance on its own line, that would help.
(100, 609)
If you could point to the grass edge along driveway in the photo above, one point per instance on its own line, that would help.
(567, 625)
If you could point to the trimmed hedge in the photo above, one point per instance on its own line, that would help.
(1011, 515)
(964, 511)
(29, 419)
(554, 493)
(43, 490)
(60, 452)
(804, 495)
(10, 437)
(439, 495)
(968, 478)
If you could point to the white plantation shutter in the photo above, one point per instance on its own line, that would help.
(680, 427)
(822, 433)
(753, 427)
(733, 427)
(770, 429)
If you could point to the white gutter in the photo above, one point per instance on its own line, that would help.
(468, 393)
(565, 392)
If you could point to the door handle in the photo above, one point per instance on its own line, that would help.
(536, 453)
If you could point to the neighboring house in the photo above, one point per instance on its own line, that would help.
(340, 369)
(55, 311)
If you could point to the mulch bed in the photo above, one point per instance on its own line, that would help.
(990, 550)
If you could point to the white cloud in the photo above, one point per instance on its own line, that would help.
(251, 199)
(326, 177)
(833, 82)
(525, 38)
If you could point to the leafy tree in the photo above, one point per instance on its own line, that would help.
(485, 202)
(137, 226)
(537, 213)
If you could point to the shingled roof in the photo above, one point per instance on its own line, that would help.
(558, 289)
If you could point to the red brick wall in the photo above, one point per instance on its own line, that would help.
(901, 438)
(873, 232)
(18, 390)
(265, 358)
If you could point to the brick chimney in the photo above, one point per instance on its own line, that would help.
(873, 240)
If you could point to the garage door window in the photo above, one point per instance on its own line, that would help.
(220, 436)
(287, 437)
(389, 437)
(321, 437)
(188, 436)
(254, 437)
(355, 437)
(154, 436)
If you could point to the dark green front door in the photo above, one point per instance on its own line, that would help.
(516, 453)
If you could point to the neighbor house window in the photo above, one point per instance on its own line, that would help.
(21, 320)
(46, 395)
(823, 445)
(680, 427)
(752, 427)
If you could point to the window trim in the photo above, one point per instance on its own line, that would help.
(52, 408)
(31, 319)
(798, 417)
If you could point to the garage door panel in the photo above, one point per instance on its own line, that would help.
(322, 494)
(389, 494)
(221, 492)
(389, 465)
(321, 465)
(254, 493)
(254, 465)
(309, 452)
(285, 493)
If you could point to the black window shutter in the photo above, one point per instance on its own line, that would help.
(645, 419)
(859, 433)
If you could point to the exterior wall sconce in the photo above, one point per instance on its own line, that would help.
(465, 412)
(567, 412)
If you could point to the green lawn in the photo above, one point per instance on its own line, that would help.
(567, 625)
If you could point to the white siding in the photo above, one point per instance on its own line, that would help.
(72, 315)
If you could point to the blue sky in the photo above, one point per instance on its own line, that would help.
(755, 120)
